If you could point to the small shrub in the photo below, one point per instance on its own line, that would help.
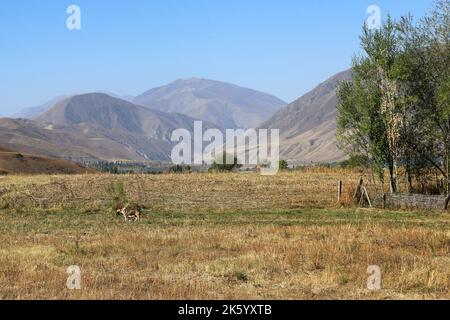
(117, 194)
(223, 166)
(241, 276)
(283, 165)
(180, 169)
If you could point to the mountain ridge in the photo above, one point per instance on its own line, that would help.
(228, 105)
(96, 127)
(308, 125)
(99, 126)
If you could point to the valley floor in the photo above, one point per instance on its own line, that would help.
(189, 251)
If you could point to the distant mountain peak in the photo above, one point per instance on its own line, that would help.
(225, 104)
(195, 79)
(32, 112)
(97, 126)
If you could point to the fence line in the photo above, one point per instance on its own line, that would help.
(414, 201)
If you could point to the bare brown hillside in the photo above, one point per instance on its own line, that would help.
(308, 125)
(12, 162)
(96, 127)
(225, 104)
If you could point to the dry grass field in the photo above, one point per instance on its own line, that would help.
(215, 236)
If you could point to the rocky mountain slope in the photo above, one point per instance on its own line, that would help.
(308, 125)
(227, 105)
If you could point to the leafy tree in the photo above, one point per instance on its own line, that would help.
(396, 110)
(355, 161)
(222, 165)
(370, 108)
(425, 71)
(180, 168)
(283, 165)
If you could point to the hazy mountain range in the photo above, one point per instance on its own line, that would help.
(227, 105)
(96, 127)
(33, 112)
(100, 126)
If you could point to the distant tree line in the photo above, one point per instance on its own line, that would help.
(118, 167)
(395, 112)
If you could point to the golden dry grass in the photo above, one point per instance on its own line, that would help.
(183, 192)
(230, 236)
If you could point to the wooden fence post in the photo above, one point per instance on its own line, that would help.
(340, 191)
(357, 195)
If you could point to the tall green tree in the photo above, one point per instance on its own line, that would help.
(370, 107)
(425, 74)
(396, 110)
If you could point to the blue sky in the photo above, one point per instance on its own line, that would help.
(283, 47)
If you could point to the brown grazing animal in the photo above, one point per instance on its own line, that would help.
(129, 212)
